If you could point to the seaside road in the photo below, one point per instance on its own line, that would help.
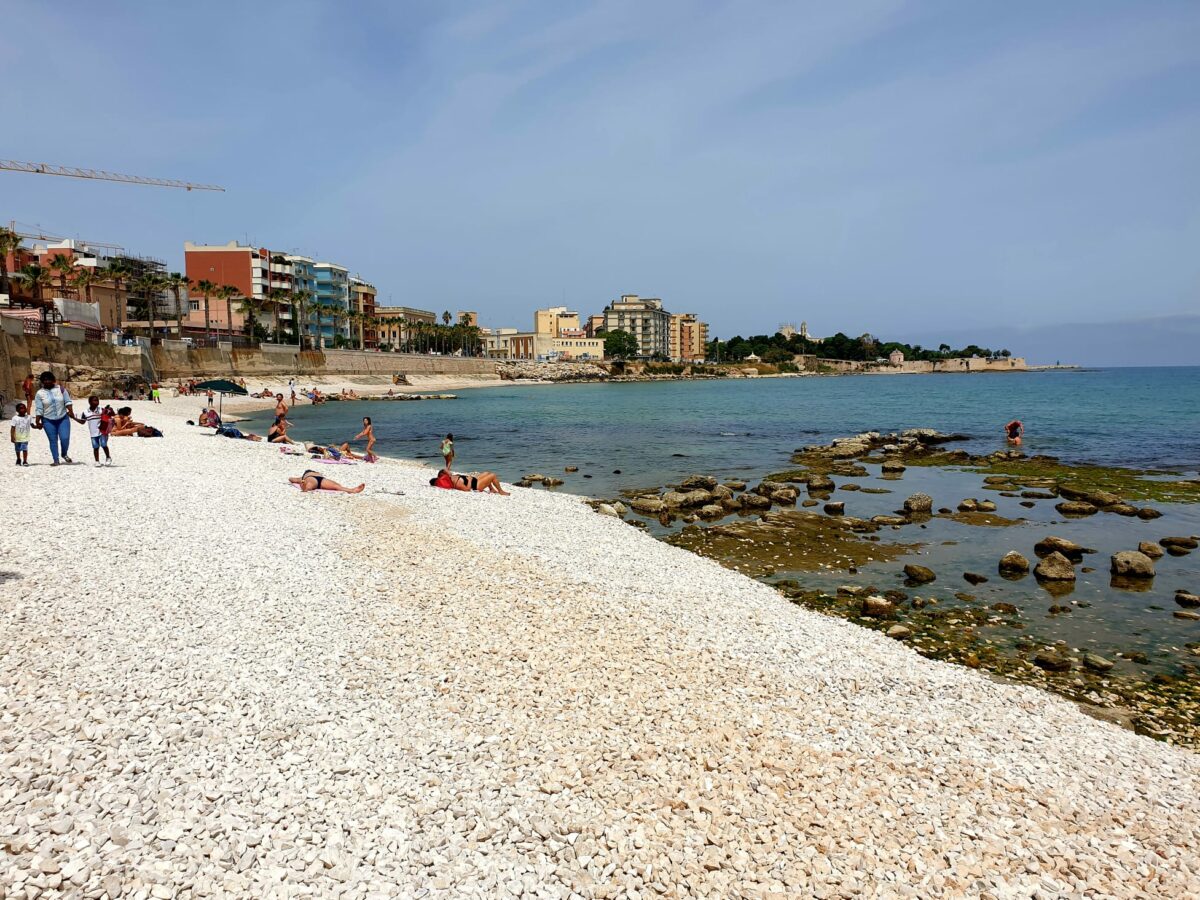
(214, 685)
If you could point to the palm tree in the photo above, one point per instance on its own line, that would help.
(118, 271)
(206, 288)
(278, 297)
(227, 292)
(63, 266)
(303, 301)
(10, 242)
(250, 307)
(175, 283)
(148, 284)
(36, 278)
(82, 281)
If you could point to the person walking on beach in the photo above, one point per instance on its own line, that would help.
(210, 398)
(99, 425)
(1014, 430)
(18, 433)
(448, 450)
(292, 388)
(53, 407)
(368, 432)
(27, 390)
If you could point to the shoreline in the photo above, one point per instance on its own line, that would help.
(451, 692)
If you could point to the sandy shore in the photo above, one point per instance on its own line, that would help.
(215, 685)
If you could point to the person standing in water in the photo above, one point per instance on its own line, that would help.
(367, 432)
(448, 450)
(1015, 429)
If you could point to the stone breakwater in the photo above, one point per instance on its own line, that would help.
(231, 688)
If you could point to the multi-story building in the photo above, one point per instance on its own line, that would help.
(362, 301)
(304, 281)
(333, 301)
(594, 327)
(689, 338)
(225, 265)
(396, 325)
(556, 335)
(645, 319)
(470, 319)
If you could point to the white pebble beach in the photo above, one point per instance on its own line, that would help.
(215, 685)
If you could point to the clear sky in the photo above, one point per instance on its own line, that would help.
(908, 169)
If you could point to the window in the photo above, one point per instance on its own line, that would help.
(194, 305)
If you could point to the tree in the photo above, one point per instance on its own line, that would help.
(303, 301)
(777, 355)
(63, 266)
(82, 281)
(206, 289)
(10, 242)
(36, 278)
(278, 297)
(446, 317)
(227, 292)
(620, 345)
(175, 283)
(118, 271)
(1005, 354)
(250, 307)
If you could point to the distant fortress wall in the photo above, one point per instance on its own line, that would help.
(913, 367)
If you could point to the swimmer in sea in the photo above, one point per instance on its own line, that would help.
(1014, 430)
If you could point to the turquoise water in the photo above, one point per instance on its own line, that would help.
(656, 432)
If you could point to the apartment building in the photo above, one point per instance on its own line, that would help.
(333, 301)
(362, 301)
(396, 325)
(235, 265)
(645, 319)
(689, 338)
(556, 336)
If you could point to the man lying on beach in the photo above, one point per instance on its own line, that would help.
(476, 481)
(230, 432)
(311, 481)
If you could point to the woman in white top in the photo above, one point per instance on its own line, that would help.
(52, 406)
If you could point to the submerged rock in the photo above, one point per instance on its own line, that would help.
(1075, 508)
(974, 577)
(1055, 567)
(1148, 513)
(1179, 543)
(1097, 663)
(1183, 598)
(918, 574)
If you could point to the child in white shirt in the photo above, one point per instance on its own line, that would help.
(18, 432)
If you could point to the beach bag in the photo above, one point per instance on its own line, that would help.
(149, 431)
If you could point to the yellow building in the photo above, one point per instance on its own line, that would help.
(556, 336)
(396, 324)
(689, 338)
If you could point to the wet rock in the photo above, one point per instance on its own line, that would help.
(702, 482)
(686, 499)
(551, 482)
(721, 492)
(783, 495)
(1075, 508)
(606, 510)
(899, 632)
(734, 485)
(1097, 663)
(755, 501)
(1006, 608)
(1148, 513)
(835, 509)
(1137, 656)
(1038, 495)
(896, 596)
(647, 505)
(893, 467)
(1052, 662)
(986, 506)
(1179, 543)
(810, 503)
(850, 486)
(620, 507)
(571, 468)
(711, 511)
(878, 607)
(1189, 614)
(1095, 498)
(1028, 504)
(1054, 567)
(1183, 598)
(997, 479)
(974, 577)
(964, 597)
(1069, 549)
(916, 574)
(1151, 549)
(1132, 564)
(820, 484)
(1059, 610)
(919, 503)
(920, 602)
(889, 520)
(968, 505)
(1123, 509)
(1013, 563)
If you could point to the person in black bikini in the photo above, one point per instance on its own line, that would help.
(479, 481)
(311, 481)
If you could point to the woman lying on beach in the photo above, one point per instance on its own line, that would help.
(337, 454)
(476, 481)
(311, 481)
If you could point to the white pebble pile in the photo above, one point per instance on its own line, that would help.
(214, 685)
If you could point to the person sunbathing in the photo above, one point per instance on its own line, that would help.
(475, 481)
(278, 432)
(230, 432)
(311, 481)
(123, 424)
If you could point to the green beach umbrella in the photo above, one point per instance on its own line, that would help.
(222, 386)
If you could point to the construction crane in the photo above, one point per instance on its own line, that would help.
(13, 165)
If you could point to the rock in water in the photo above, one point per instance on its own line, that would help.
(1183, 598)
(1055, 567)
(986, 506)
(703, 482)
(1052, 662)
(835, 509)
(647, 505)
(606, 510)
(918, 503)
(1075, 508)
(968, 505)
(1179, 543)
(1147, 513)
(1132, 564)
(1151, 549)
(1096, 663)
(1013, 563)
(918, 574)
(1190, 614)
(1069, 549)
(899, 632)
(893, 466)
(878, 607)
(974, 577)
(818, 484)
